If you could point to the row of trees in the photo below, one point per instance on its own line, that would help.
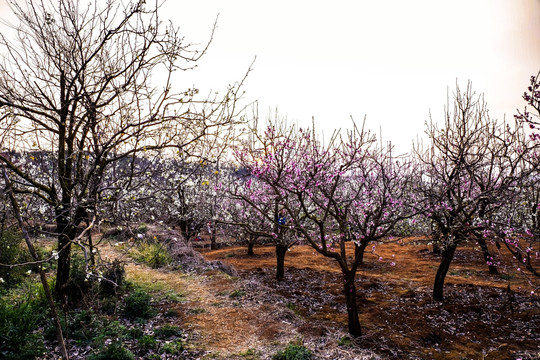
(87, 137)
(475, 181)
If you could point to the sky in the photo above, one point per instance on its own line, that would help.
(390, 61)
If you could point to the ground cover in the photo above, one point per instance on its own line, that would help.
(225, 304)
(483, 317)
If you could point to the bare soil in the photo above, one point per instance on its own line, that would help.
(483, 316)
(247, 314)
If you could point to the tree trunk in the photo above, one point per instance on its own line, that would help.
(487, 256)
(184, 229)
(359, 251)
(436, 247)
(281, 250)
(250, 251)
(352, 307)
(446, 260)
(213, 243)
(64, 255)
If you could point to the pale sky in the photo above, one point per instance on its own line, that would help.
(389, 60)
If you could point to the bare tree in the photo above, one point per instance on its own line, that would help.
(76, 83)
(470, 171)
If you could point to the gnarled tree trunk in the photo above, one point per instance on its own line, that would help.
(352, 307)
(359, 251)
(446, 259)
(281, 250)
(250, 251)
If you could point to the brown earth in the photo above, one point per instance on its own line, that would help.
(483, 317)
(251, 315)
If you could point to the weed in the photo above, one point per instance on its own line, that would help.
(170, 313)
(114, 351)
(249, 354)
(345, 341)
(173, 296)
(237, 294)
(293, 308)
(113, 278)
(80, 287)
(135, 332)
(508, 276)
(196, 311)
(12, 252)
(137, 305)
(18, 322)
(147, 342)
(293, 352)
(144, 283)
(142, 229)
(172, 348)
(115, 330)
(108, 305)
(154, 255)
(167, 331)
(84, 326)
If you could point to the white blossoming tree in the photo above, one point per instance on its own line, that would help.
(76, 85)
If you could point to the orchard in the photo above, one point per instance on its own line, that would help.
(94, 154)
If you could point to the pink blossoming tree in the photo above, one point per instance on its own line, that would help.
(346, 191)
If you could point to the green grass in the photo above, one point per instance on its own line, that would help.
(293, 351)
(237, 294)
(155, 255)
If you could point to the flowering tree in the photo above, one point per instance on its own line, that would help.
(188, 196)
(265, 157)
(471, 171)
(524, 212)
(532, 97)
(349, 191)
(75, 84)
(249, 224)
(518, 232)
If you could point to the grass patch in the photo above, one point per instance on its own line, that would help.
(508, 276)
(155, 255)
(293, 352)
(115, 351)
(249, 354)
(237, 294)
(196, 311)
(137, 305)
(167, 331)
(173, 297)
